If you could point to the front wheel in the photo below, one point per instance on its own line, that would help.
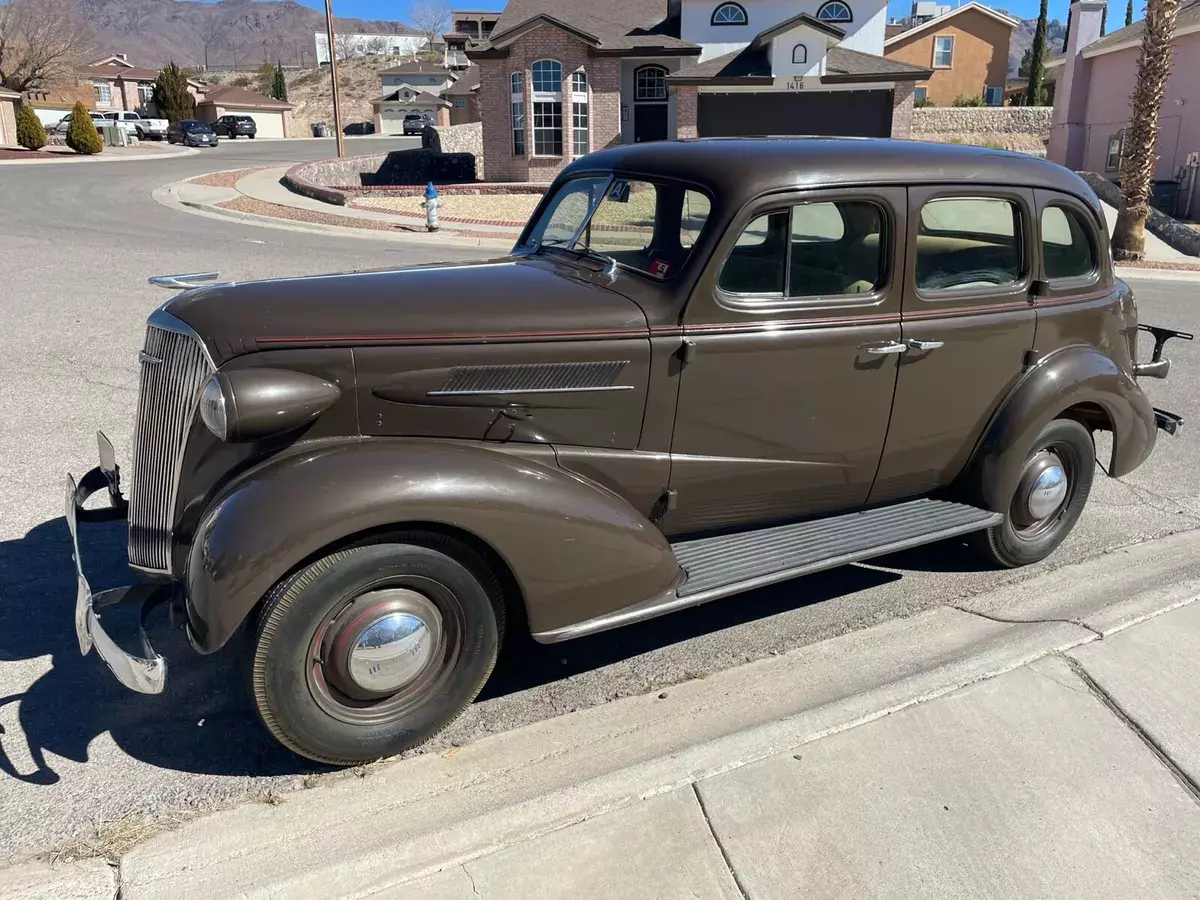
(373, 650)
(1048, 500)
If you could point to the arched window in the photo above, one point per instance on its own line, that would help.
(800, 54)
(517, 109)
(547, 107)
(649, 84)
(729, 14)
(835, 11)
(547, 76)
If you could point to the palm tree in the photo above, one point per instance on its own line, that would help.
(1138, 156)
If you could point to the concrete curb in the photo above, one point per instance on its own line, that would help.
(168, 196)
(100, 158)
(420, 816)
(90, 879)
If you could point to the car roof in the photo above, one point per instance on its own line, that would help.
(738, 169)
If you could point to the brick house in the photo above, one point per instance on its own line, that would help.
(119, 84)
(559, 79)
(967, 50)
(413, 87)
(463, 97)
(272, 118)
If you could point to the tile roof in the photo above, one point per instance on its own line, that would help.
(420, 67)
(841, 64)
(129, 73)
(232, 95)
(468, 81)
(610, 25)
(1187, 17)
(423, 97)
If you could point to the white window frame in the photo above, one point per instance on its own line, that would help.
(732, 7)
(1116, 147)
(830, 5)
(581, 132)
(544, 103)
(103, 91)
(801, 51)
(658, 96)
(516, 109)
(949, 51)
(145, 93)
(992, 91)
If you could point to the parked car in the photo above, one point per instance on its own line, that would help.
(234, 126)
(359, 128)
(414, 123)
(706, 366)
(191, 133)
(145, 128)
(98, 120)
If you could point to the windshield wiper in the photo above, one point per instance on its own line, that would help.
(569, 244)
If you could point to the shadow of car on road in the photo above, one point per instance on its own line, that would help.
(203, 722)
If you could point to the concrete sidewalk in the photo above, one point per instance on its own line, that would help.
(1040, 740)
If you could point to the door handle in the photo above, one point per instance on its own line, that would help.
(914, 344)
(884, 347)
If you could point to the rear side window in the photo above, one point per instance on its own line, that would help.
(968, 242)
(1068, 250)
(812, 250)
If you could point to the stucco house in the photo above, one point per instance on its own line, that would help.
(413, 87)
(1095, 77)
(8, 117)
(967, 49)
(272, 118)
(559, 78)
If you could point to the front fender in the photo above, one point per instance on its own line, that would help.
(1064, 379)
(576, 550)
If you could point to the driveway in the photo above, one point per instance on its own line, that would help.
(77, 750)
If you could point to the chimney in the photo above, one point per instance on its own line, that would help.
(1068, 131)
(123, 57)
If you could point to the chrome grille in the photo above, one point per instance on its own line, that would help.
(174, 369)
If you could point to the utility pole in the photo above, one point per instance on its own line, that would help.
(337, 105)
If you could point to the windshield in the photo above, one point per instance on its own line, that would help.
(195, 126)
(649, 227)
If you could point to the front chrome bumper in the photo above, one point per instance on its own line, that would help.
(146, 674)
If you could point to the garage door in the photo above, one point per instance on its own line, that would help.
(847, 113)
(267, 124)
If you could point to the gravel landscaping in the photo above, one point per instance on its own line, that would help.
(491, 208)
(294, 214)
(225, 179)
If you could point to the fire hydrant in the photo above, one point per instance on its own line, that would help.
(431, 207)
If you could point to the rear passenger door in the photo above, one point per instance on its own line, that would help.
(967, 320)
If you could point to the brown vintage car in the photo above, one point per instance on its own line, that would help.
(706, 366)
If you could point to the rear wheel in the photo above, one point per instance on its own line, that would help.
(373, 650)
(1048, 500)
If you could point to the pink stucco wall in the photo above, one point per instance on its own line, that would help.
(1108, 109)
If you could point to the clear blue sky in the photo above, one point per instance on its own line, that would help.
(391, 9)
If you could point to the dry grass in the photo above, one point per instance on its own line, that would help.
(112, 840)
(358, 80)
(487, 207)
(226, 179)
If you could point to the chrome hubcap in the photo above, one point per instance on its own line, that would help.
(383, 641)
(1043, 488)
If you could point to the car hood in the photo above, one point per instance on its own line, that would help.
(509, 298)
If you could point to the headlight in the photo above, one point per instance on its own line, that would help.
(213, 408)
(251, 404)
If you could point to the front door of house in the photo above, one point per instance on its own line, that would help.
(650, 103)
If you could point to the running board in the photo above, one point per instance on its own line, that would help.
(716, 567)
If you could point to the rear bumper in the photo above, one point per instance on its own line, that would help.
(146, 674)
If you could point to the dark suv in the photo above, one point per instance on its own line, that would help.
(236, 126)
(705, 367)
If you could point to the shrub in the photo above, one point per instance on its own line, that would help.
(992, 145)
(241, 81)
(82, 136)
(30, 133)
(923, 103)
(964, 100)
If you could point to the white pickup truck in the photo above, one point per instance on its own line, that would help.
(143, 127)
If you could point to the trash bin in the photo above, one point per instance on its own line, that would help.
(316, 129)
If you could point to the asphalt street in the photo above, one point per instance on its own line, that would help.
(77, 243)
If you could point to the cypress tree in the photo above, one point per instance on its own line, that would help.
(1033, 93)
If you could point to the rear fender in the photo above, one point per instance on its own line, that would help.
(575, 550)
(1066, 378)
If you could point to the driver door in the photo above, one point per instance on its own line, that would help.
(792, 338)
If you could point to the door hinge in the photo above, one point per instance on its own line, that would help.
(670, 499)
(687, 350)
(1030, 359)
